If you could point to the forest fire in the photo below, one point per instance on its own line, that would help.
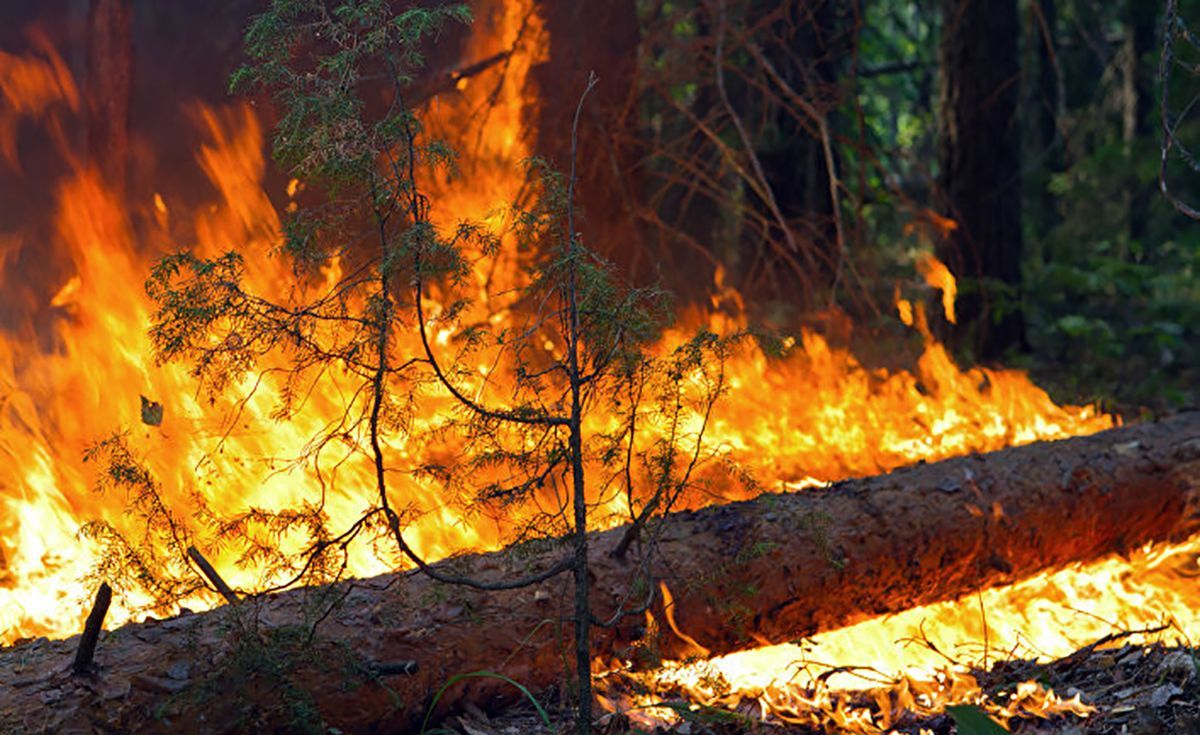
(811, 416)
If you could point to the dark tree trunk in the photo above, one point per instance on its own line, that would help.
(980, 170)
(1141, 20)
(600, 37)
(1043, 107)
(109, 87)
(773, 569)
(809, 44)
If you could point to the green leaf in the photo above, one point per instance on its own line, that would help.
(972, 720)
(482, 675)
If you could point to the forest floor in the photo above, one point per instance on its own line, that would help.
(1135, 690)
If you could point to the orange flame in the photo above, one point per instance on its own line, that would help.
(938, 276)
(30, 87)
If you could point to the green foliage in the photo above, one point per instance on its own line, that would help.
(201, 301)
(1119, 312)
(898, 69)
(524, 447)
(545, 718)
(972, 720)
(156, 562)
(318, 63)
(1110, 293)
(325, 133)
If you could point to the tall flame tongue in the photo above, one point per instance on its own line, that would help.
(53, 403)
(813, 416)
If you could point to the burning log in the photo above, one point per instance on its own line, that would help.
(829, 558)
(762, 571)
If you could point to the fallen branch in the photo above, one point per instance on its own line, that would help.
(211, 575)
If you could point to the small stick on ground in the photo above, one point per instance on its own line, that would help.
(91, 630)
(1082, 654)
(393, 668)
(211, 574)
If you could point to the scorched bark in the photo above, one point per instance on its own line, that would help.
(767, 570)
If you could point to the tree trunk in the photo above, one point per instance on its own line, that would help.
(1141, 20)
(599, 37)
(109, 87)
(776, 568)
(980, 170)
(1043, 102)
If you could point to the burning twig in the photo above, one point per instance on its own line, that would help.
(211, 574)
(1082, 654)
(452, 78)
(923, 639)
(91, 630)
(859, 671)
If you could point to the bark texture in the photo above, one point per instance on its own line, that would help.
(601, 38)
(772, 569)
(981, 169)
(110, 87)
(1141, 23)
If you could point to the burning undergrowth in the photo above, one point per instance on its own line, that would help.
(1131, 681)
(1107, 688)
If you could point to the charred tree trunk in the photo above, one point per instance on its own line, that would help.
(599, 37)
(980, 170)
(110, 87)
(800, 563)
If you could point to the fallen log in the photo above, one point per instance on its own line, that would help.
(772, 569)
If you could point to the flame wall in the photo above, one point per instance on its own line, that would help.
(75, 358)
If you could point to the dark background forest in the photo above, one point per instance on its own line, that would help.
(1019, 140)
